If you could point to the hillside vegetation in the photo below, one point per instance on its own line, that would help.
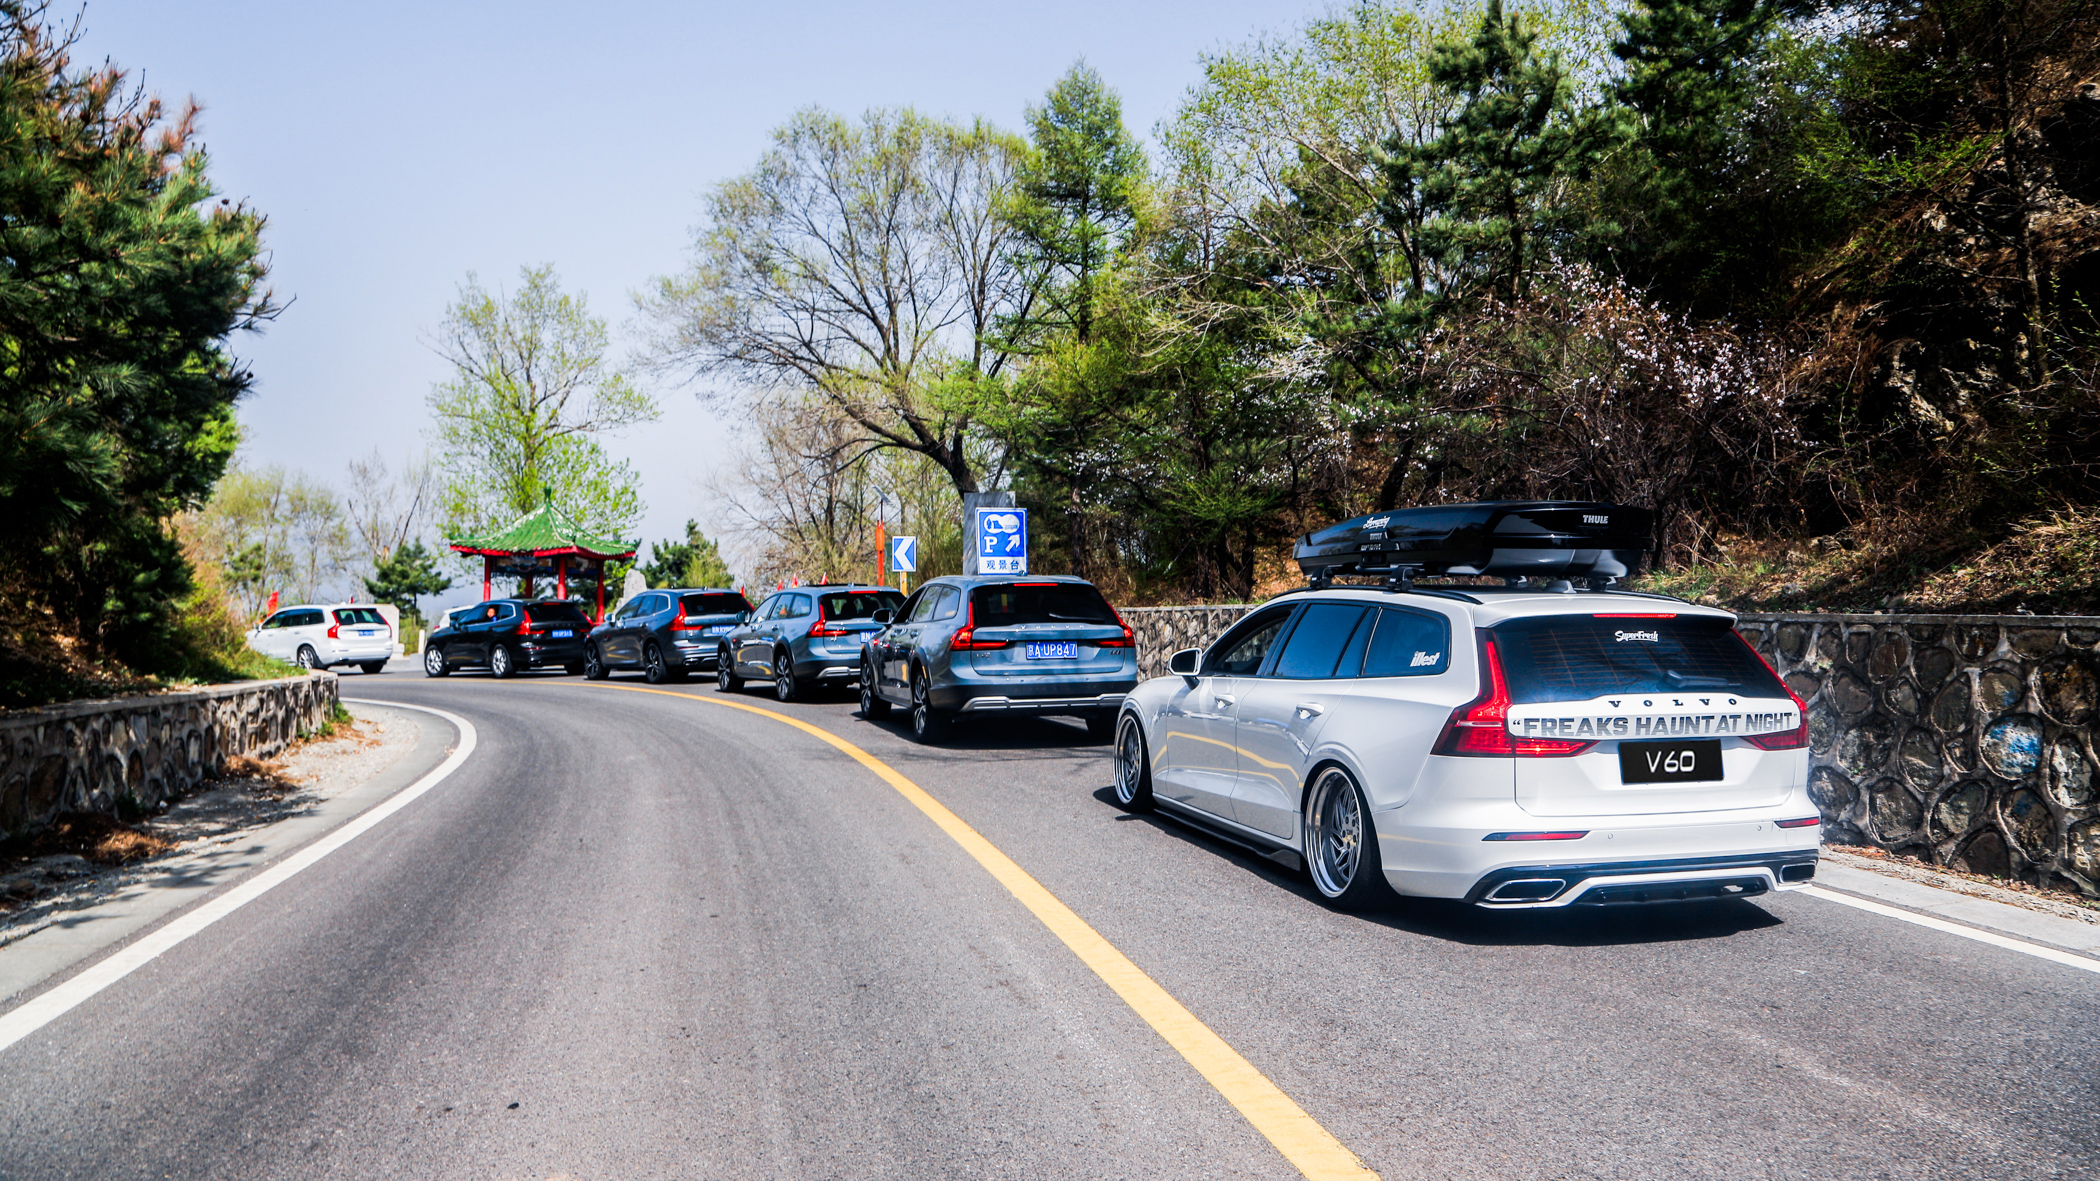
(1816, 283)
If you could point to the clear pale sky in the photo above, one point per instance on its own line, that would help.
(396, 147)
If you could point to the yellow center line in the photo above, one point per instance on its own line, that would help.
(1299, 1137)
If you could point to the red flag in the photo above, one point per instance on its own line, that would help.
(270, 608)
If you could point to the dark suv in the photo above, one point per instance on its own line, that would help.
(507, 635)
(804, 637)
(665, 633)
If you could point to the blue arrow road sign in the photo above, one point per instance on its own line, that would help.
(1002, 541)
(904, 555)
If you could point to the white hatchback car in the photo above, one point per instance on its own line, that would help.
(315, 636)
(1522, 746)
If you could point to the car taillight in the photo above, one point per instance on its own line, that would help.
(966, 639)
(1793, 739)
(824, 627)
(335, 631)
(1481, 726)
(681, 624)
(1129, 639)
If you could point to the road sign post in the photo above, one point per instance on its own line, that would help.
(1002, 540)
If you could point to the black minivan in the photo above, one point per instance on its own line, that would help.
(665, 633)
(507, 635)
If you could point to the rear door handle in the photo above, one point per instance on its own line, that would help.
(1311, 709)
(1226, 701)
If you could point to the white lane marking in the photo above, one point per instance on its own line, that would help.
(2039, 951)
(37, 1013)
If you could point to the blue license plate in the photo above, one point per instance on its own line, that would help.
(366, 632)
(721, 629)
(1060, 650)
(563, 635)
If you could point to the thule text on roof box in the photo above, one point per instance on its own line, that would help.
(1509, 538)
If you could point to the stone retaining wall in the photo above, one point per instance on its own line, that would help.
(90, 756)
(1965, 740)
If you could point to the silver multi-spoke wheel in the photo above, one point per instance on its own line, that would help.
(1133, 775)
(501, 663)
(872, 706)
(1341, 852)
(927, 723)
(434, 661)
(593, 663)
(308, 658)
(784, 686)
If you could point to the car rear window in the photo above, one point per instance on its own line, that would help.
(722, 604)
(554, 613)
(1581, 657)
(359, 615)
(1007, 604)
(858, 604)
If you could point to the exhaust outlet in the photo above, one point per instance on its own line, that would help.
(1527, 890)
(1797, 873)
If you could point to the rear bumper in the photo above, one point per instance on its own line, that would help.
(564, 652)
(1099, 703)
(698, 653)
(1623, 883)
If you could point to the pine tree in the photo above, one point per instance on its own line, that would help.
(1489, 179)
(120, 280)
(404, 576)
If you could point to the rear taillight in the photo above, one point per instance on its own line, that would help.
(680, 624)
(966, 639)
(335, 631)
(1793, 739)
(1129, 639)
(1481, 726)
(824, 627)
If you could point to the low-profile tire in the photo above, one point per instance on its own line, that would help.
(1341, 848)
(501, 663)
(434, 662)
(928, 725)
(726, 679)
(307, 658)
(1101, 727)
(654, 670)
(872, 705)
(1133, 768)
(593, 664)
(785, 686)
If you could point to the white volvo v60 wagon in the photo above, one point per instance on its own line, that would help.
(1530, 745)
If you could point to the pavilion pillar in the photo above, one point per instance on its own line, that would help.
(488, 574)
(561, 576)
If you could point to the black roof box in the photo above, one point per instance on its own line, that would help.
(1510, 538)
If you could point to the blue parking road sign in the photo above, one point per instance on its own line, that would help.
(1002, 541)
(904, 555)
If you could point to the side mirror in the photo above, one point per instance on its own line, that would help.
(883, 615)
(743, 617)
(1184, 662)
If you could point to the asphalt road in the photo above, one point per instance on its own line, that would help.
(640, 935)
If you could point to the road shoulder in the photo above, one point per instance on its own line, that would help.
(1956, 902)
(147, 896)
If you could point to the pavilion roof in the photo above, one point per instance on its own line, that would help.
(545, 532)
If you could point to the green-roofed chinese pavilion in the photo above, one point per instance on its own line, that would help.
(545, 540)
